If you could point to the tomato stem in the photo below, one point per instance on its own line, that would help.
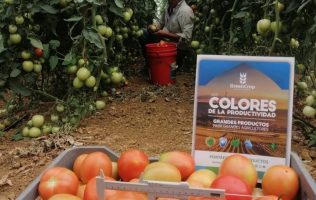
(276, 34)
(231, 32)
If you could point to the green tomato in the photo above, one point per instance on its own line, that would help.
(100, 104)
(90, 82)
(125, 35)
(263, 26)
(82, 62)
(25, 131)
(46, 129)
(116, 77)
(294, 43)
(104, 93)
(10, 2)
(127, 16)
(77, 83)
(72, 69)
(199, 51)
(29, 123)
(37, 67)
(99, 19)
(273, 27)
(83, 73)
(2, 126)
(104, 75)
(309, 111)
(19, 20)
(38, 121)
(206, 29)
(119, 38)
(310, 100)
(25, 55)
(125, 30)
(55, 129)
(15, 38)
(195, 44)
(139, 33)
(63, 3)
(35, 132)
(130, 11)
(12, 28)
(313, 93)
(108, 32)
(302, 85)
(27, 66)
(54, 118)
(279, 6)
(102, 29)
(60, 108)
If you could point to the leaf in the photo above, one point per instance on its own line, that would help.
(49, 9)
(68, 59)
(54, 44)
(116, 10)
(46, 50)
(2, 49)
(18, 88)
(36, 42)
(93, 37)
(17, 137)
(53, 62)
(74, 19)
(240, 15)
(15, 72)
(119, 3)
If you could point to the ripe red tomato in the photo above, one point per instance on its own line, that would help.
(182, 160)
(280, 180)
(122, 195)
(64, 197)
(270, 197)
(58, 180)
(93, 163)
(77, 164)
(90, 192)
(235, 188)
(240, 166)
(38, 52)
(131, 164)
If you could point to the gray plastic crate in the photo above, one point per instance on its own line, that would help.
(307, 183)
(67, 158)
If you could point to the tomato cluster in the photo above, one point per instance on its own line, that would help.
(237, 176)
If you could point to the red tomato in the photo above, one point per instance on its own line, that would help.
(270, 197)
(58, 180)
(90, 192)
(77, 164)
(280, 180)
(64, 197)
(128, 196)
(38, 52)
(233, 186)
(240, 166)
(93, 163)
(182, 160)
(131, 164)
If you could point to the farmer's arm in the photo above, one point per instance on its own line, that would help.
(163, 33)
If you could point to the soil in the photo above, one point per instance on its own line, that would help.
(140, 115)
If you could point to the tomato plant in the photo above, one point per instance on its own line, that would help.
(63, 47)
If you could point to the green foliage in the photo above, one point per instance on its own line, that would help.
(67, 32)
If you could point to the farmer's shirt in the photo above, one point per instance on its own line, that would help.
(178, 20)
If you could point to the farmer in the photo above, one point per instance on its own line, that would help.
(176, 25)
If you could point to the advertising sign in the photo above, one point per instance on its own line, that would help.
(243, 105)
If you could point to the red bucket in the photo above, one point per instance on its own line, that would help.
(160, 59)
